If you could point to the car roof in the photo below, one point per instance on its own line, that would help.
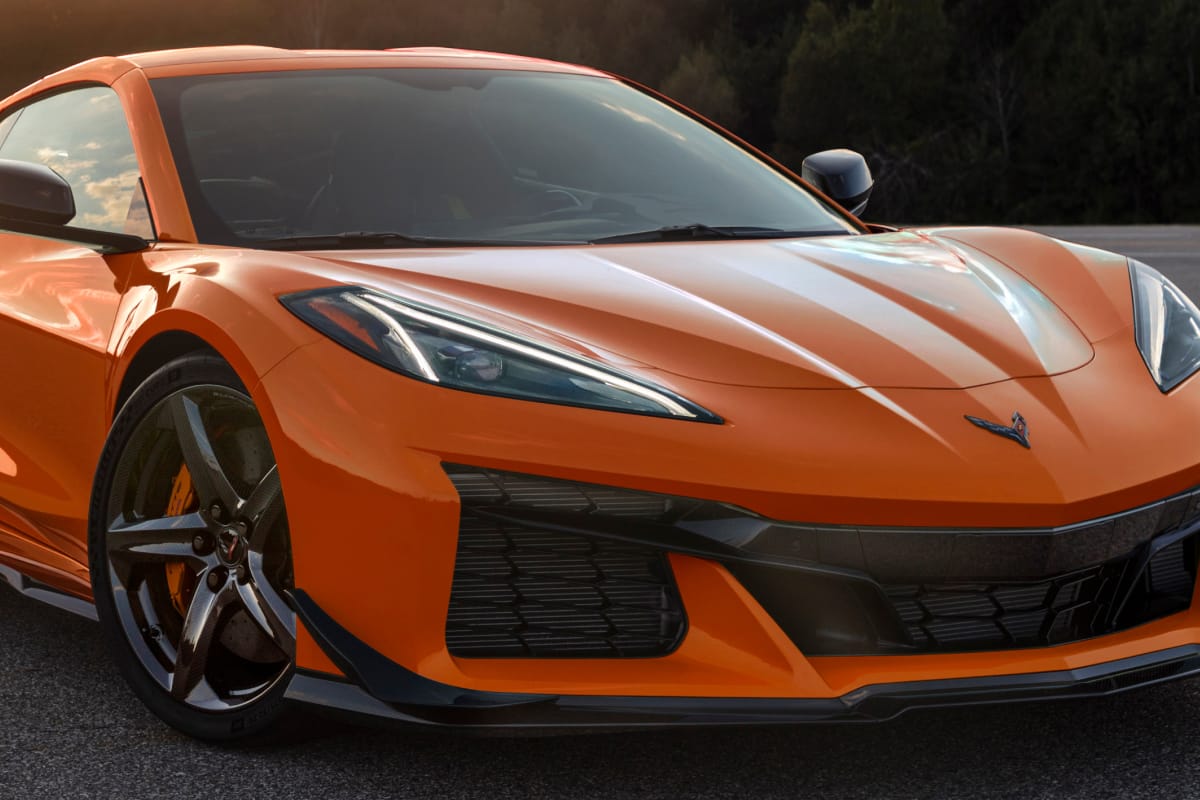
(256, 58)
(232, 54)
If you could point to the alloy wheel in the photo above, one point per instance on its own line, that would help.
(197, 550)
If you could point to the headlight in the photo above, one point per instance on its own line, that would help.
(438, 347)
(1167, 326)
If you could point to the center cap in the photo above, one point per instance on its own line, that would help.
(231, 546)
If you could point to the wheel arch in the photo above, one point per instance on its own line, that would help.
(159, 350)
(250, 334)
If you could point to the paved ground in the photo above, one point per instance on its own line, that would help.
(1171, 249)
(70, 729)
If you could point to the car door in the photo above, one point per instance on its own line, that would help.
(58, 304)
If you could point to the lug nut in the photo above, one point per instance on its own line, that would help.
(215, 512)
(242, 572)
(214, 581)
(200, 544)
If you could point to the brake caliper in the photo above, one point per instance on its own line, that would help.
(180, 580)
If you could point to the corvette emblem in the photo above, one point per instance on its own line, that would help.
(1018, 431)
(230, 539)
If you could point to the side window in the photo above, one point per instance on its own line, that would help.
(82, 135)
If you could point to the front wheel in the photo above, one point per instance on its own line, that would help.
(190, 555)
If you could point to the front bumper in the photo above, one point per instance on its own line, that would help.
(383, 691)
(375, 518)
(549, 568)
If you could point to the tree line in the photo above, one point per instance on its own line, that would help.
(996, 111)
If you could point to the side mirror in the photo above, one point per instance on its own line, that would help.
(35, 199)
(34, 193)
(841, 174)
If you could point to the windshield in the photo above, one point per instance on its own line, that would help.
(485, 156)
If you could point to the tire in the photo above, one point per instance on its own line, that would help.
(190, 556)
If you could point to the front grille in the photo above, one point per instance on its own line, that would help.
(1067, 608)
(487, 488)
(926, 590)
(1013, 615)
(523, 590)
(552, 568)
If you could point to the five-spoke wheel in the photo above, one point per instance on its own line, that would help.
(190, 552)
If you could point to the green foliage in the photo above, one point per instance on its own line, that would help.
(1112, 131)
(968, 110)
(872, 79)
(700, 83)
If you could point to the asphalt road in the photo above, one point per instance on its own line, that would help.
(69, 728)
(1171, 249)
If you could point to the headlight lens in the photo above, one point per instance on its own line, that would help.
(1167, 326)
(438, 347)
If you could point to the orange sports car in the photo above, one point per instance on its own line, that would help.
(480, 391)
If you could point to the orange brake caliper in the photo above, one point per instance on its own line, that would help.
(180, 580)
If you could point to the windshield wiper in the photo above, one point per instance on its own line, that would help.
(698, 231)
(366, 240)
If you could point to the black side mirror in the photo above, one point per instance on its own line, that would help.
(35, 193)
(841, 174)
(35, 199)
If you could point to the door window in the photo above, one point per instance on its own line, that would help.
(82, 135)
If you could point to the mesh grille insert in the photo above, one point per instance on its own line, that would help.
(520, 591)
(1063, 609)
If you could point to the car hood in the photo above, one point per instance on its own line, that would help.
(904, 309)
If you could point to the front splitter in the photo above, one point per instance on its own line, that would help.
(379, 689)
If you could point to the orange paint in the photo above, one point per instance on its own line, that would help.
(842, 396)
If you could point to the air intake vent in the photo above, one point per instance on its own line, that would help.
(523, 591)
(1090, 602)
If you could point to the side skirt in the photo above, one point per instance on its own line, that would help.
(44, 594)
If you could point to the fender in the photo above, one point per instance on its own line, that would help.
(221, 300)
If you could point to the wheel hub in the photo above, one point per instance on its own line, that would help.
(231, 545)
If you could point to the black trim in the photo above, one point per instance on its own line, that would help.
(1140, 579)
(106, 242)
(383, 678)
(946, 555)
(686, 526)
(44, 593)
(387, 691)
(730, 534)
(674, 539)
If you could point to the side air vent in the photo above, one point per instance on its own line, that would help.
(524, 591)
